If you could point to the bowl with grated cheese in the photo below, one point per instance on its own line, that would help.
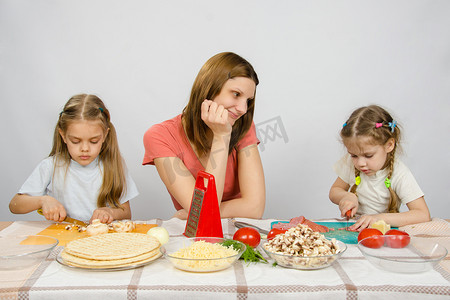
(201, 254)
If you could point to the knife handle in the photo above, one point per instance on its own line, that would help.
(348, 214)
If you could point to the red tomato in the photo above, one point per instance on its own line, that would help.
(275, 231)
(247, 235)
(397, 238)
(371, 237)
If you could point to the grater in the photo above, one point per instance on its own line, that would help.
(204, 215)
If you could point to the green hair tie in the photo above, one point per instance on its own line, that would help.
(357, 180)
(387, 183)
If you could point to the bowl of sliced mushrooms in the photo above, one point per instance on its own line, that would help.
(302, 248)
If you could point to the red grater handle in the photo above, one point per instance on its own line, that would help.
(200, 182)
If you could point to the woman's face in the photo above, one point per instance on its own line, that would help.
(234, 96)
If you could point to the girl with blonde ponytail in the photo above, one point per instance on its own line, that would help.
(372, 182)
(84, 176)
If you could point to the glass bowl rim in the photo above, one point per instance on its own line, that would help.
(363, 248)
(48, 249)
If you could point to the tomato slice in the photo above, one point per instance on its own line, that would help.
(274, 232)
(397, 238)
(248, 235)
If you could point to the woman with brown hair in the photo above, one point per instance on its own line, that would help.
(215, 133)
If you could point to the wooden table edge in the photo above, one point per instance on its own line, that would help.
(4, 224)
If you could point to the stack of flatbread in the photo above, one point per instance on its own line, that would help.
(112, 250)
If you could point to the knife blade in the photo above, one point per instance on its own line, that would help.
(348, 215)
(240, 224)
(67, 219)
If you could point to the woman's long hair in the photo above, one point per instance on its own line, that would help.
(91, 108)
(207, 85)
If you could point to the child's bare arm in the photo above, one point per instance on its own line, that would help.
(51, 208)
(340, 195)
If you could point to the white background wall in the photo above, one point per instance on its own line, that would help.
(317, 61)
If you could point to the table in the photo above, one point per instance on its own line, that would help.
(3, 225)
(352, 277)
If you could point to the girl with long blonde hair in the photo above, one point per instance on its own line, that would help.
(372, 182)
(84, 176)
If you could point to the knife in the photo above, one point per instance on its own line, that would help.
(240, 224)
(348, 214)
(67, 219)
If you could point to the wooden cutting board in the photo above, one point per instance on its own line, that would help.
(64, 236)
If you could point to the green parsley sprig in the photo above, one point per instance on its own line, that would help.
(250, 254)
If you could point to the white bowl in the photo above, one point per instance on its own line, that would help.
(306, 262)
(420, 255)
(18, 252)
(198, 264)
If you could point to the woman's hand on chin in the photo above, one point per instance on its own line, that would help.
(216, 118)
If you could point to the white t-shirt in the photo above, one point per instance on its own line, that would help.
(373, 196)
(77, 190)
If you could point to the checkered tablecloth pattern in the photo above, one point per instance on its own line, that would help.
(351, 277)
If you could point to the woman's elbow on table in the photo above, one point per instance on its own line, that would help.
(255, 208)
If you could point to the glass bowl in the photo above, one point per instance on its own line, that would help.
(200, 264)
(24, 251)
(306, 262)
(420, 255)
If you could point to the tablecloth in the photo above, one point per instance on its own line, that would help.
(351, 277)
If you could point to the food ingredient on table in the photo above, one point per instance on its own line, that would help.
(302, 248)
(204, 256)
(375, 242)
(301, 220)
(302, 241)
(250, 254)
(274, 232)
(111, 250)
(123, 226)
(247, 235)
(397, 238)
(205, 250)
(97, 227)
(160, 233)
(381, 225)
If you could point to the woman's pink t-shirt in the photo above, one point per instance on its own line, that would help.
(168, 139)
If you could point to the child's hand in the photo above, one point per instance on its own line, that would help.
(348, 202)
(216, 118)
(364, 221)
(104, 214)
(52, 209)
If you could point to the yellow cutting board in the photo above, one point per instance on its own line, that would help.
(64, 236)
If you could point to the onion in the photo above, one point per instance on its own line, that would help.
(160, 233)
